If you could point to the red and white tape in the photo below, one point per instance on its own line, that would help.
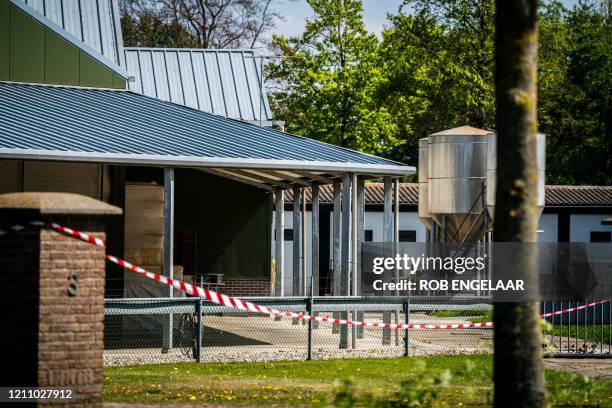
(236, 303)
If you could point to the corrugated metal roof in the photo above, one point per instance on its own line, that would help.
(95, 22)
(556, 196)
(579, 196)
(115, 126)
(223, 82)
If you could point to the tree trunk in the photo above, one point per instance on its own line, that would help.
(518, 369)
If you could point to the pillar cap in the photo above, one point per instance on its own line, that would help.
(57, 203)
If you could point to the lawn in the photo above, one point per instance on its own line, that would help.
(439, 381)
(596, 333)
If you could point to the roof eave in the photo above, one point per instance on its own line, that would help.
(205, 162)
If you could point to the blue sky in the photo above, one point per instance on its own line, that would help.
(375, 11)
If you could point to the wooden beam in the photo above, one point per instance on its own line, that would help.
(285, 176)
(317, 177)
(264, 177)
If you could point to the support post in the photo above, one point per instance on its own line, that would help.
(387, 239)
(345, 248)
(297, 237)
(406, 331)
(360, 240)
(309, 311)
(314, 290)
(279, 244)
(305, 280)
(396, 229)
(336, 261)
(168, 250)
(198, 331)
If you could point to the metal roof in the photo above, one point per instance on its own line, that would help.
(91, 25)
(556, 196)
(223, 82)
(43, 122)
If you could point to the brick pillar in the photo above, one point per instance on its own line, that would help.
(52, 294)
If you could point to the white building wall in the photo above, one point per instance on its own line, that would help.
(581, 226)
(548, 228)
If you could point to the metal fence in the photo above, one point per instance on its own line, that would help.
(137, 331)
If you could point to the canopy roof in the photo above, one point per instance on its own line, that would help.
(42, 122)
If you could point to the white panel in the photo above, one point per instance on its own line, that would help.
(242, 86)
(146, 70)
(37, 5)
(174, 77)
(53, 11)
(581, 226)
(72, 17)
(91, 26)
(214, 82)
(548, 228)
(77, 178)
(189, 89)
(131, 61)
(107, 30)
(161, 78)
(254, 84)
(199, 69)
(227, 81)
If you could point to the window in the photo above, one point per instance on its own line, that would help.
(288, 234)
(601, 236)
(407, 236)
(369, 235)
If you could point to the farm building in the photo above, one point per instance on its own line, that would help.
(68, 123)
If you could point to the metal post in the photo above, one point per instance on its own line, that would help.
(396, 229)
(360, 239)
(387, 239)
(336, 261)
(315, 241)
(309, 311)
(297, 236)
(406, 331)
(199, 330)
(279, 245)
(345, 248)
(354, 232)
(304, 255)
(168, 261)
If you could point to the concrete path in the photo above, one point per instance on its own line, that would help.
(593, 368)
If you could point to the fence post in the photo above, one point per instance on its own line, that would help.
(199, 330)
(309, 312)
(406, 331)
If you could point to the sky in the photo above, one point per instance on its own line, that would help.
(375, 11)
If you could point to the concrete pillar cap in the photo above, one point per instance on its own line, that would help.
(57, 203)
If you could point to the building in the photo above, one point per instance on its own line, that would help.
(571, 214)
(70, 121)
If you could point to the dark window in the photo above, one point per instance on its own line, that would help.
(369, 235)
(601, 236)
(288, 234)
(407, 236)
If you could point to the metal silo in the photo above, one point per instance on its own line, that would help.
(456, 176)
(492, 171)
(424, 215)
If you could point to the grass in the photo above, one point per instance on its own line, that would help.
(596, 333)
(440, 380)
(460, 313)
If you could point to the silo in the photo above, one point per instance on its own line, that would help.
(492, 171)
(456, 175)
(423, 178)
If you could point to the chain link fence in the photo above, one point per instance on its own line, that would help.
(141, 331)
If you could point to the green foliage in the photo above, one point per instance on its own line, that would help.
(331, 74)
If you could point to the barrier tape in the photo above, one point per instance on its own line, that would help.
(236, 303)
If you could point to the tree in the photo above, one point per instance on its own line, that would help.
(197, 23)
(328, 77)
(518, 369)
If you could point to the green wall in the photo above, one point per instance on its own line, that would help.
(30, 52)
(232, 220)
